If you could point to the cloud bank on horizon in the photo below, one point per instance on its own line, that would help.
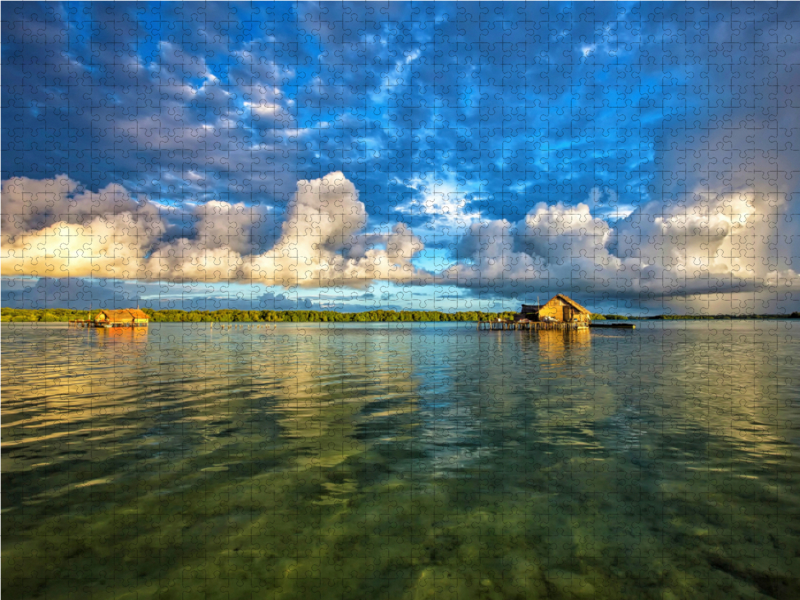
(418, 156)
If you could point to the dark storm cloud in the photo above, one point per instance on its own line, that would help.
(74, 293)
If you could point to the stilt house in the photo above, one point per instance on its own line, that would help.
(560, 308)
(127, 317)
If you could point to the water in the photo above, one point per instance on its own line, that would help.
(402, 461)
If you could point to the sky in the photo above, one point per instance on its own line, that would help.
(638, 157)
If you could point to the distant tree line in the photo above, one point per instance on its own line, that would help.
(598, 317)
(54, 315)
(794, 315)
(315, 316)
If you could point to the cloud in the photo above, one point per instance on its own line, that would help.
(85, 294)
(323, 242)
(52, 228)
(714, 244)
(73, 293)
(241, 228)
(710, 244)
(31, 204)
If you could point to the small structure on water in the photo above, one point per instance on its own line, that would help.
(561, 312)
(126, 317)
(560, 309)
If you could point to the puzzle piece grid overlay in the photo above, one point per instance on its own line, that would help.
(400, 156)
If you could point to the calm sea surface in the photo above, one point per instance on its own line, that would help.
(391, 461)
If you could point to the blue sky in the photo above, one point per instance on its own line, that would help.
(638, 157)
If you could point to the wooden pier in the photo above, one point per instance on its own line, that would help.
(530, 326)
(80, 323)
(93, 324)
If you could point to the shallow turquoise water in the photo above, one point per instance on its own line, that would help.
(402, 461)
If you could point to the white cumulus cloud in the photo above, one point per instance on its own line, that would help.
(52, 228)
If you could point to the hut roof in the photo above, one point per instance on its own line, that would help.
(572, 303)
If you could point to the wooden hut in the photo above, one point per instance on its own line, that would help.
(560, 309)
(126, 317)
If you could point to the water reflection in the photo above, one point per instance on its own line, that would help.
(401, 461)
